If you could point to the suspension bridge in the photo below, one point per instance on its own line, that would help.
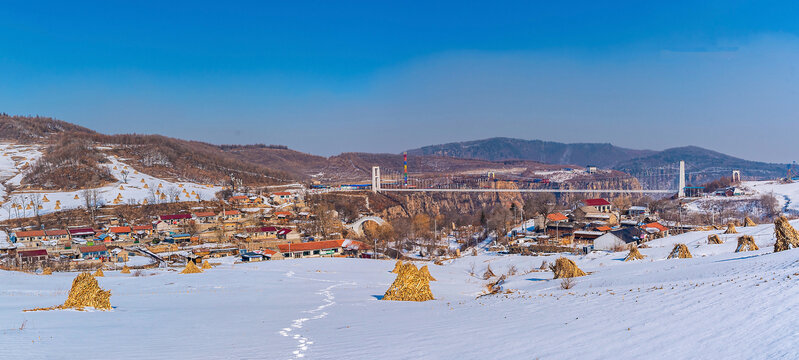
(392, 186)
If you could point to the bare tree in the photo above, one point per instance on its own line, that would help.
(770, 205)
(152, 196)
(36, 203)
(124, 174)
(91, 201)
(499, 221)
(540, 204)
(172, 194)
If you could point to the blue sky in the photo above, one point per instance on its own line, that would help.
(332, 76)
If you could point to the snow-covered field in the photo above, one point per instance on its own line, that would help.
(719, 304)
(786, 194)
(134, 191)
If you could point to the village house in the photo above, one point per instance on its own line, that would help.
(142, 231)
(590, 214)
(730, 191)
(162, 227)
(84, 233)
(94, 252)
(283, 233)
(121, 233)
(229, 215)
(263, 232)
(586, 237)
(205, 217)
(252, 257)
(656, 228)
(283, 196)
(28, 238)
(120, 255)
(636, 211)
(239, 200)
(29, 257)
(175, 219)
(282, 215)
(619, 239)
(325, 248)
(57, 236)
(600, 205)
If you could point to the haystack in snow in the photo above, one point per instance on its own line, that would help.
(410, 285)
(424, 271)
(494, 287)
(98, 273)
(714, 239)
(730, 229)
(85, 292)
(47, 271)
(397, 267)
(787, 237)
(746, 243)
(565, 268)
(191, 268)
(634, 254)
(680, 251)
(125, 270)
(748, 222)
(488, 274)
(206, 265)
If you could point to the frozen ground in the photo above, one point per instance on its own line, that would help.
(720, 304)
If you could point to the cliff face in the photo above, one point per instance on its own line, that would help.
(398, 204)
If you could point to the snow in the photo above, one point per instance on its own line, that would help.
(329, 309)
(786, 193)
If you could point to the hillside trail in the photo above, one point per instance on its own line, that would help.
(328, 300)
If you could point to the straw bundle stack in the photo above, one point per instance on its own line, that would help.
(787, 237)
(565, 268)
(634, 254)
(98, 273)
(494, 286)
(191, 268)
(680, 251)
(748, 222)
(125, 270)
(85, 292)
(410, 285)
(714, 239)
(397, 267)
(488, 274)
(424, 271)
(206, 265)
(730, 229)
(47, 271)
(746, 243)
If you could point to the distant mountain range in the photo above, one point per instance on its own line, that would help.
(66, 155)
(701, 164)
(500, 149)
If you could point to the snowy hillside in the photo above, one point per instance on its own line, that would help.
(786, 194)
(699, 308)
(139, 188)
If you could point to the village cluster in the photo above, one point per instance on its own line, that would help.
(251, 227)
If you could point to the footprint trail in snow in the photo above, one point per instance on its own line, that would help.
(318, 313)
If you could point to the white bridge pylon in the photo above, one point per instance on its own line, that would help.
(376, 187)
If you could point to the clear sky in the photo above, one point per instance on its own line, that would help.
(332, 76)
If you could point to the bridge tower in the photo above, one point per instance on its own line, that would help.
(681, 181)
(375, 179)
